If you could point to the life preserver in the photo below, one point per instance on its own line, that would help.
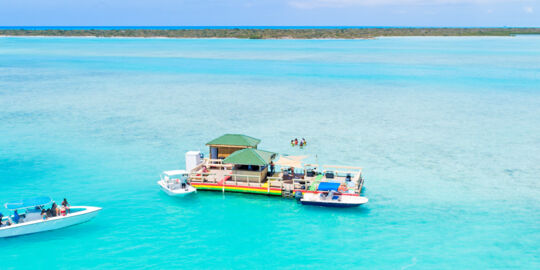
(343, 188)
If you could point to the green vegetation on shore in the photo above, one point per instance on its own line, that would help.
(340, 33)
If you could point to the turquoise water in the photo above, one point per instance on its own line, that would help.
(447, 130)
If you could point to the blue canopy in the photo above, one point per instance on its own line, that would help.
(28, 203)
(328, 186)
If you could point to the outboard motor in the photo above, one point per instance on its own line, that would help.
(298, 195)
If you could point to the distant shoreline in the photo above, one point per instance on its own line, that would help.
(158, 37)
(266, 33)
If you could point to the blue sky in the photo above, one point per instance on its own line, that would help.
(270, 12)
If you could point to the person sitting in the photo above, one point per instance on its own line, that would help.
(66, 205)
(1, 217)
(43, 214)
(62, 210)
(343, 188)
(291, 170)
(53, 212)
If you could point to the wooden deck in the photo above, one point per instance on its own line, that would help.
(215, 176)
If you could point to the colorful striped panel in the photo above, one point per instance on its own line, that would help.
(233, 188)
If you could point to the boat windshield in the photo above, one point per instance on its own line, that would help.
(28, 203)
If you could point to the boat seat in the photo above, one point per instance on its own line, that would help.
(329, 175)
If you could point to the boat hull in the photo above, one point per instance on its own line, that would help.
(340, 205)
(178, 192)
(344, 201)
(52, 223)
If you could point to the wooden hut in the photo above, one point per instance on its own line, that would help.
(250, 165)
(225, 145)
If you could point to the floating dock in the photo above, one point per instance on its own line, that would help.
(236, 165)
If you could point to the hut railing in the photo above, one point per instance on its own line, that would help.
(216, 163)
(200, 177)
(251, 180)
(275, 182)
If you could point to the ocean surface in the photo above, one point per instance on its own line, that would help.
(446, 129)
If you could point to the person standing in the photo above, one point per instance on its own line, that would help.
(272, 167)
(66, 205)
(16, 218)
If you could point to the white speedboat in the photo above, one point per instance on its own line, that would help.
(28, 218)
(327, 194)
(332, 199)
(174, 183)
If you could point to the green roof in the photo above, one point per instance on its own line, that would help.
(235, 139)
(250, 156)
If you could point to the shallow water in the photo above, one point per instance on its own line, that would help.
(447, 130)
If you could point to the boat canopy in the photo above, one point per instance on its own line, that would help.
(28, 203)
(174, 172)
(290, 161)
(328, 186)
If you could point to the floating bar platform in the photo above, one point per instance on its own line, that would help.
(236, 165)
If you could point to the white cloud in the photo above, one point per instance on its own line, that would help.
(307, 4)
(528, 9)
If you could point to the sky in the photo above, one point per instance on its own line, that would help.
(431, 13)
